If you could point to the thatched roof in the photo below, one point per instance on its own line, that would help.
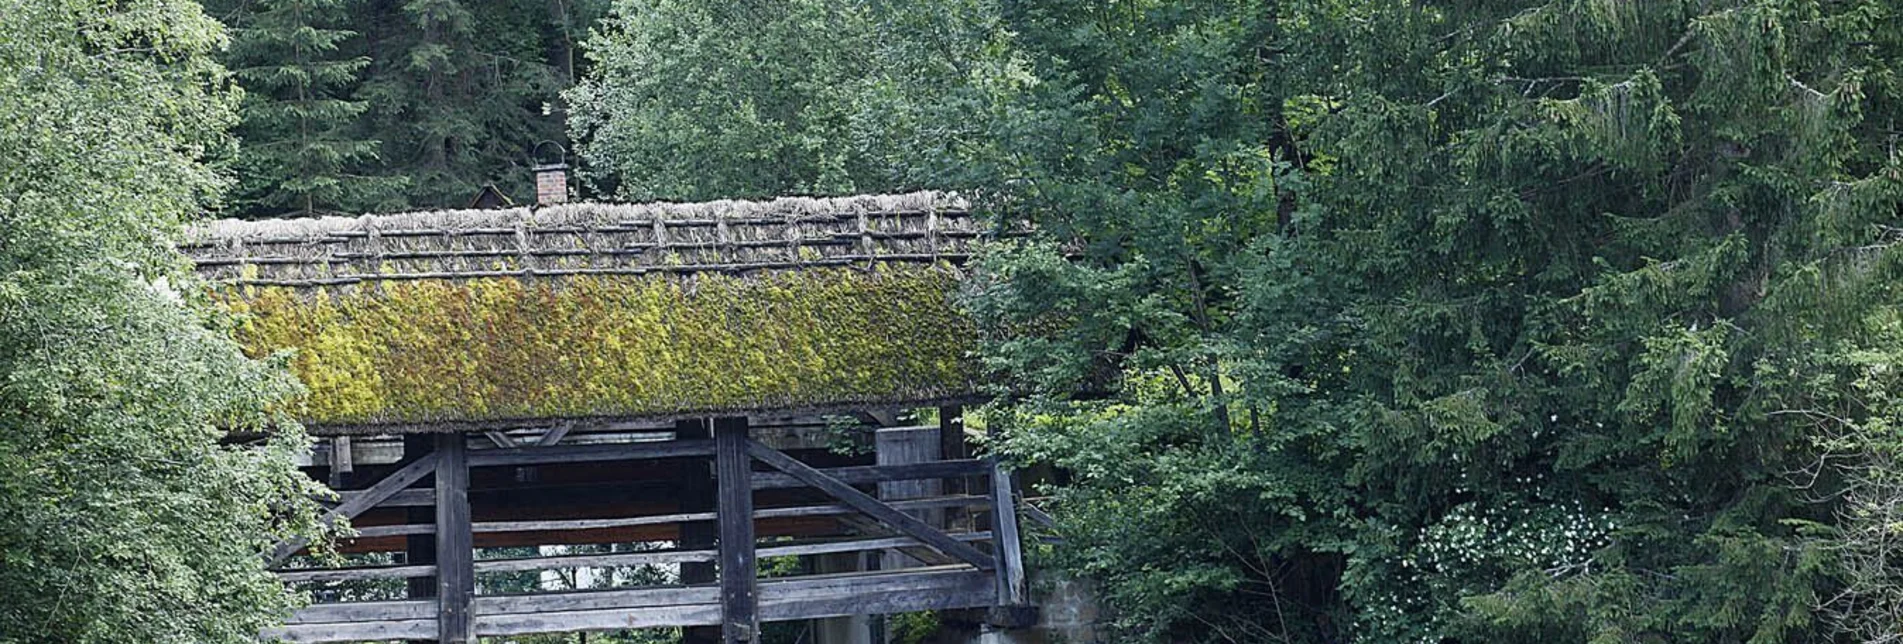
(586, 239)
(463, 319)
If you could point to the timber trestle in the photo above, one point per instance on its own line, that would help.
(711, 525)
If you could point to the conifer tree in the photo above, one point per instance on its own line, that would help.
(302, 155)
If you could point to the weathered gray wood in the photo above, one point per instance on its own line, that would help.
(733, 471)
(779, 599)
(356, 574)
(419, 549)
(597, 620)
(598, 599)
(594, 561)
(1004, 523)
(960, 501)
(364, 612)
(355, 504)
(857, 545)
(591, 453)
(406, 629)
(500, 439)
(878, 473)
(394, 530)
(697, 496)
(455, 550)
(556, 525)
(904, 523)
(340, 456)
(938, 591)
(554, 434)
(903, 446)
(590, 524)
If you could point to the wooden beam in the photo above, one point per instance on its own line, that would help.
(697, 495)
(364, 612)
(904, 523)
(562, 525)
(356, 574)
(355, 504)
(733, 472)
(1004, 523)
(591, 453)
(879, 473)
(594, 561)
(554, 434)
(455, 550)
(856, 545)
(378, 631)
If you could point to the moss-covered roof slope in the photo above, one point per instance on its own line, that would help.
(461, 319)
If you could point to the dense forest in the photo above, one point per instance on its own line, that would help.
(356, 106)
(1345, 320)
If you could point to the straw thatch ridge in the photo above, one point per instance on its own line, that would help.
(587, 239)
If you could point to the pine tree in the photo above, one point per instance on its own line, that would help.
(301, 155)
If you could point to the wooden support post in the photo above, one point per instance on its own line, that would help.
(697, 495)
(419, 549)
(1013, 609)
(1004, 529)
(733, 471)
(455, 552)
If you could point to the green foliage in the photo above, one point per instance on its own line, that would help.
(122, 517)
(502, 348)
(1487, 321)
(382, 106)
(707, 100)
(299, 153)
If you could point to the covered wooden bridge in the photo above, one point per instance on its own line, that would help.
(599, 417)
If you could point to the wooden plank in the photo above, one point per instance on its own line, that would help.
(590, 524)
(597, 620)
(370, 532)
(904, 523)
(959, 501)
(556, 525)
(364, 612)
(597, 599)
(879, 473)
(857, 545)
(594, 561)
(455, 549)
(1004, 522)
(407, 629)
(355, 504)
(733, 472)
(356, 574)
(591, 453)
(781, 599)
(938, 591)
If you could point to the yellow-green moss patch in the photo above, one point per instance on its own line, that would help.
(425, 351)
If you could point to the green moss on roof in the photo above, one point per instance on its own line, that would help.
(417, 352)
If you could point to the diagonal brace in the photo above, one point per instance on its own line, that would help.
(357, 503)
(852, 497)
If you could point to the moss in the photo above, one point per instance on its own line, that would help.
(501, 348)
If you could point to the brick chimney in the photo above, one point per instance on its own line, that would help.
(551, 173)
(551, 184)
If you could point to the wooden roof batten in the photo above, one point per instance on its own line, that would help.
(588, 239)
